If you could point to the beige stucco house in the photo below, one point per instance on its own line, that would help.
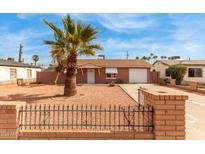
(195, 69)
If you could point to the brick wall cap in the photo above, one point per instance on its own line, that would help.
(156, 95)
(7, 107)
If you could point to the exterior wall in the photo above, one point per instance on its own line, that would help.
(100, 77)
(154, 77)
(4, 74)
(49, 77)
(82, 77)
(123, 74)
(21, 73)
(148, 76)
(159, 67)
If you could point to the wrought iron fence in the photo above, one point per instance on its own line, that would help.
(86, 117)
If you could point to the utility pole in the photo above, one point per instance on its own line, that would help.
(20, 53)
(127, 55)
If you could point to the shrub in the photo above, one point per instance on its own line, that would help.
(177, 72)
(119, 81)
(162, 81)
(112, 84)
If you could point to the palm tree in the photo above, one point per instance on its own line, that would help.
(35, 58)
(59, 59)
(152, 57)
(163, 57)
(155, 57)
(74, 39)
(144, 58)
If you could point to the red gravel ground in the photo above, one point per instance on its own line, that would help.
(100, 96)
(51, 94)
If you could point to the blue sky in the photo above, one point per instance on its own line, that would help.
(139, 34)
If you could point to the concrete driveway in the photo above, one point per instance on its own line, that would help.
(195, 108)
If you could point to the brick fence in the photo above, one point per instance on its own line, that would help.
(191, 85)
(95, 135)
(8, 122)
(169, 115)
(168, 120)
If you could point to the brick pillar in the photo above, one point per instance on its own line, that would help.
(169, 115)
(8, 122)
(173, 82)
(193, 85)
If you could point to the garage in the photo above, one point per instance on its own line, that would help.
(137, 75)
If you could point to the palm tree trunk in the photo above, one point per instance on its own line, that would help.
(70, 81)
(56, 80)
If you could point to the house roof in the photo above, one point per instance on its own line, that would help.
(13, 63)
(114, 63)
(182, 62)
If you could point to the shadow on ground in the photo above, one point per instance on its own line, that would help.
(24, 97)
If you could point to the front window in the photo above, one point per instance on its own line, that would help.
(29, 73)
(111, 75)
(167, 73)
(195, 72)
(13, 73)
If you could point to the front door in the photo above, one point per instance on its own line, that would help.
(91, 76)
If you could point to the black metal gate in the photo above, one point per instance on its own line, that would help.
(86, 117)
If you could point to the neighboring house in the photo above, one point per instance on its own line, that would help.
(106, 71)
(11, 70)
(195, 69)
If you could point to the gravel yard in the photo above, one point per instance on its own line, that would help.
(51, 94)
(95, 95)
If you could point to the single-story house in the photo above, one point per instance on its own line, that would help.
(10, 71)
(195, 69)
(105, 71)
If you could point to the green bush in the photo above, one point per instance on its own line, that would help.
(177, 72)
(119, 81)
(162, 82)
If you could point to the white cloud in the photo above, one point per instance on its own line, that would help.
(126, 22)
(119, 22)
(23, 15)
(9, 43)
(131, 44)
(144, 46)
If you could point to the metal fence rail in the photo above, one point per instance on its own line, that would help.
(86, 117)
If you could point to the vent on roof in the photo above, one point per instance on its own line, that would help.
(11, 59)
(101, 56)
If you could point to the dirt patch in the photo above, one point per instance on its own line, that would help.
(51, 94)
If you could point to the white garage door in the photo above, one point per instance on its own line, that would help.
(138, 75)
